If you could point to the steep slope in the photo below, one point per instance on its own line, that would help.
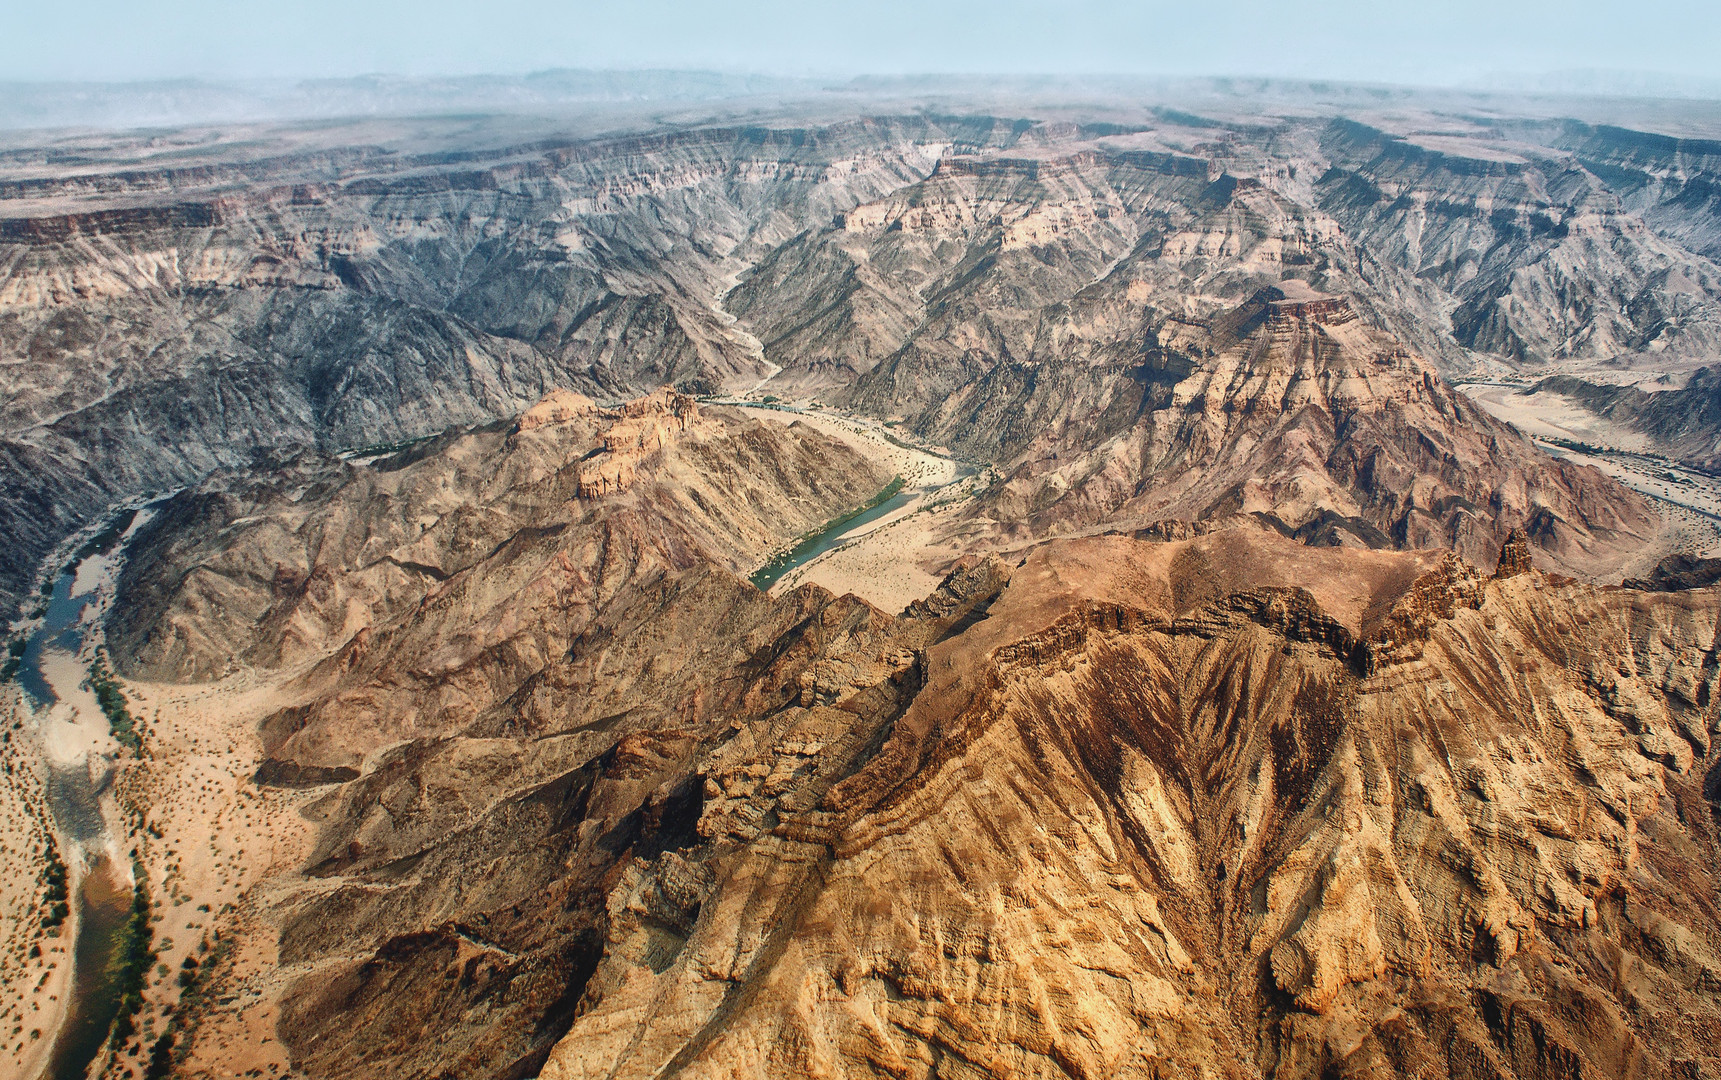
(1138, 823)
(1521, 252)
(1684, 423)
(169, 307)
(432, 584)
(162, 322)
(474, 754)
(1290, 409)
(1231, 805)
(1670, 181)
(1093, 323)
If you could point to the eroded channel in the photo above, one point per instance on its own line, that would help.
(80, 758)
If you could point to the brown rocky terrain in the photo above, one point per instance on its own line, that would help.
(1230, 804)
(433, 583)
(1290, 409)
(1276, 714)
(172, 304)
(1163, 812)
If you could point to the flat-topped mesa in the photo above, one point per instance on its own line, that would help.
(643, 426)
(557, 407)
(1296, 301)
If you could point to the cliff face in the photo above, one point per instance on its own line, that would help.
(430, 585)
(161, 322)
(642, 427)
(1289, 409)
(1231, 805)
(1669, 180)
(165, 314)
(1272, 748)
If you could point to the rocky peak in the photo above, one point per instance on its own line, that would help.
(640, 427)
(557, 407)
(1514, 554)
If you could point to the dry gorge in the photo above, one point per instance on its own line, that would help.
(1137, 589)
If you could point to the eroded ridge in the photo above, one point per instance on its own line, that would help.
(1129, 840)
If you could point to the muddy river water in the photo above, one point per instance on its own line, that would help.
(79, 769)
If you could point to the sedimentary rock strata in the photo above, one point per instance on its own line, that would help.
(640, 428)
(176, 317)
(1276, 712)
(1229, 804)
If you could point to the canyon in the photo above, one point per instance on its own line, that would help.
(850, 587)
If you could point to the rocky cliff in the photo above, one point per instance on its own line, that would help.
(1272, 717)
(1289, 409)
(1231, 804)
(170, 307)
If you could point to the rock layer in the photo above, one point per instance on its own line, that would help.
(1230, 805)
(1295, 412)
(1238, 764)
(167, 310)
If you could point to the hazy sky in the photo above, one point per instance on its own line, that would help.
(1424, 41)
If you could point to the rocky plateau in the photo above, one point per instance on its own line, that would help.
(1278, 710)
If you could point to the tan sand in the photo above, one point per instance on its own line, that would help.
(220, 854)
(898, 558)
(32, 988)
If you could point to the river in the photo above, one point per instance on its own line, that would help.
(104, 908)
(80, 757)
(832, 536)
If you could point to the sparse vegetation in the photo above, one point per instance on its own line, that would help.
(137, 957)
(763, 577)
(14, 659)
(57, 897)
(114, 706)
(387, 449)
(1576, 446)
(194, 982)
(160, 1057)
(104, 541)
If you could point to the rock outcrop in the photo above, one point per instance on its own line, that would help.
(557, 407)
(1290, 409)
(642, 427)
(160, 320)
(1229, 804)
(1514, 555)
(1267, 721)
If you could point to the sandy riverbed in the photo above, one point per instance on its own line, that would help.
(220, 853)
(1690, 501)
(896, 559)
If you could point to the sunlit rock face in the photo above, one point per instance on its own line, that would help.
(1120, 834)
(161, 319)
(1290, 410)
(1229, 804)
(1277, 713)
